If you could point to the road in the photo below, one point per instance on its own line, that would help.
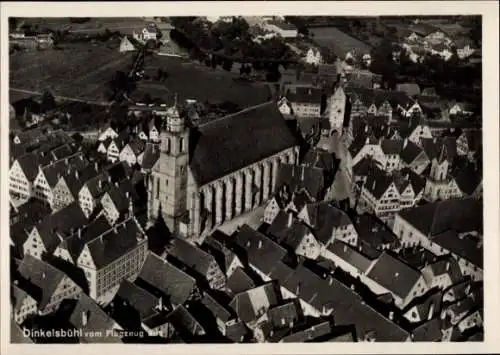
(341, 188)
(62, 98)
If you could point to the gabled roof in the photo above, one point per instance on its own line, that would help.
(446, 265)
(190, 255)
(98, 185)
(430, 301)
(137, 145)
(97, 321)
(433, 147)
(468, 177)
(151, 155)
(284, 315)
(162, 275)
(309, 334)
(59, 224)
(350, 255)
(374, 232)
(378, 182)
(122, 239)
(219, 310)
(43, 276)
(324, 218)
(29, 164)
(225, 141)
(253, 303)
(394, 275)
(460, 215)
(319, 158)
(429, 331)
(122, 195)
(76, 242)
(466, 246)
(391, 146)
(261, 250)
(347, 306)
(55, 170)
(298, 177)
(239, 281)
(410, 152)
(137, 298)
(295, 234)
(184, 321)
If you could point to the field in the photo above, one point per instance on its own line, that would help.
(123, 24)
(193, 81)
(79, 70)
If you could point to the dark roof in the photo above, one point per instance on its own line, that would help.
(239, 281)
(391, 146)
(282, 24)
(447, 265)
(324, 218)
(214, 244)
(347, 306)
(305, 95)
(151, 155)
(429, 331)
(98, 322)
(378, 182)
(224, 142)
(295, 234)
(350, 255)
(297, 177)
(29, 164)
(245, 303)
(219, 310)
(122, 194)
(17, 335)
(374, 232)
(261, 250)
(430, 301)
(55, 170)
(468, 177)
(43, 276)
(190, 255)
(468, 247)
(309, 334)
(284, 315)
(394, 275)
(461, 215)
(111, 246)
(410, 152)
(138, 298)
(60, 224)
(434, 147)
(162, 275)
(76, 242)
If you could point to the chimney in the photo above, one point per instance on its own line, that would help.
(99, 183)
(159, 306)
(297, 289)
(109, 179)
(448, 266)
(303, 170)
(127, 194)
(405, 143)
(330, 281)
(116, 182)
(79, 231)
(367, 141)
(96, 166)
(290, 220)
(85, 318)
(43, 275)
(260, 244)
(391, 315)
(396, 274)
(373, 185)
(76, 174)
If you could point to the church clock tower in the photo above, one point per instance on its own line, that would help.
(167, 190)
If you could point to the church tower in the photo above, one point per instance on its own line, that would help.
(167, 190)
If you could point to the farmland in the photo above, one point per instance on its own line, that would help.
(190, 80)
(79, 70)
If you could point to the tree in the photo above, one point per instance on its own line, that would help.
(48, 101)
(382, 61)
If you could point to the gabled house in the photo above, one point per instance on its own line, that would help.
(119, 201)
(273, 208)
(159, 276)
(92, 190)
(23, 302)
(469, 143)
(22, 174)
(47, 234)
(448, 227)
(388, 274)
(313, 56)
(328, 223)
(296, 178)
(239, 281)
(412, 156)
(442, 273)
(466, 180)
(425, 307)
(96, 325)
(116, 145)
(52, 285)
(348, 258)
(133, 152)
(392, 149)
(107, 133)
(226, 258)
(111, 257)
(197, 261)
(305, 101)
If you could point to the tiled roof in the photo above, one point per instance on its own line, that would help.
(76, 242)
(347, 306)
(447, 265)
(162, 275)
(139, 299)
(284, 315)
(410, 152)
(42, 275)
(378, 182)
(461, 215)
(60, 224)
(374, 232)
(429, 331)
(151, 155)
(261, 250)
(99, 184)
(468, 177)
(433, 147)
(297, 177)
(224, 142)
(123, 238)
(17, 335)
(190, 255)
(391, 146)
(29, 164)
(350, 255)
(339, 42)
(214, 244)
(137, 145)
(97, 321)
(324, 218)
(239, 281)
(218, 310)
(411, 89)
(122, 194)
(246, 304)
(54, 171)
(468, 247)
(394, 275)
(430, 301)
(309, 334)
(185, 322)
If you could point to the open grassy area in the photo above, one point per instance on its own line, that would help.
(79, 70)
(193, 81)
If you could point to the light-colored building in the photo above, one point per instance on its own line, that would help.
(198, 188)
(305, 101)
(313, 56)
(282, 28)
(335, 109)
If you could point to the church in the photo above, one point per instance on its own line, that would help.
(207, 175)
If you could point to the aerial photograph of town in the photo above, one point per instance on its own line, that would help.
(245, 179)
